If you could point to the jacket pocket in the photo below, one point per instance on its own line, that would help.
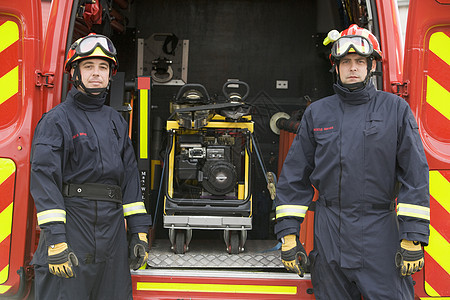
(373, 123)
(370, 131)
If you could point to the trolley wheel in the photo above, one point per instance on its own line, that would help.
(180, 242)
(233, 247)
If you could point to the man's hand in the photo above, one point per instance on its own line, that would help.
(409, 258)
(61, 259)
(293, 255)
(138, 253)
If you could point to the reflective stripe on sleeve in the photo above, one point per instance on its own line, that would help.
(51, 215)
(411, 210)
(134, 208)
(291, 211)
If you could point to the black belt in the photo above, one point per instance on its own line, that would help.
(93, 191)
(384, 206)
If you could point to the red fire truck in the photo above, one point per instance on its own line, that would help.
(276, 48)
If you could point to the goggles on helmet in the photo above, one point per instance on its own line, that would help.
(345, 44)
(88, 44)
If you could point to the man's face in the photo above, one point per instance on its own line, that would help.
(353, 68)
(94, 73)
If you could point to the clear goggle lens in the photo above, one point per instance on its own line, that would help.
(88, 45)
(359, 44)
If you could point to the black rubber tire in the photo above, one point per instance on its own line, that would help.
(234, 242)
(180, 242)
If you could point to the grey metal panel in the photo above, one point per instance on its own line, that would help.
(207, 222)
(211, 254)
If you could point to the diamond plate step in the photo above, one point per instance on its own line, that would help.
(212, 254)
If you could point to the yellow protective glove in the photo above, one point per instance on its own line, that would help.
(272, 184)
(138, 250)
(293, 255)
(409, 259)
(61, 260)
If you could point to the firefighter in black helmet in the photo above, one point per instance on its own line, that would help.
(361, 149)
(85, 183)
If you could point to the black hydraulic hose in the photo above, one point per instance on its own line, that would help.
(158, 199)
(258, 155)
(290, 125)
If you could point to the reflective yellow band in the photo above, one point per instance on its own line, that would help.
(439, 187)
(5, 220)
(438, 97)
(439, 248)
(291, 211)
(143, 124)
(4, 288)
(9, 33)
(7, 168)
(51, 215)
(10, 84)
(430, 291)
(439, 45)
(411, 210)
(217, 288)
(4, 274)
(134, 208)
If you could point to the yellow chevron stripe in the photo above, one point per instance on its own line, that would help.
(439, 45)
(430, 291)
(4, 288)
(438, 97)
(9, 33)
(217, 288)
(6, 222)
(4, 275)
(9, 84)
(439, 248)
(143, 124)
(7, 167)
(439, 189)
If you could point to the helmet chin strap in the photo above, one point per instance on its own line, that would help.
(357, 85)
(78, 82)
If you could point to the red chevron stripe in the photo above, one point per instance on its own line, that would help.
(9, 60)
(446, 175)
(7, 192)
(439, 218)
(5, 250)
(9, 110)
(436, 123)
(436, 276)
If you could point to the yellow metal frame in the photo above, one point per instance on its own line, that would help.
(243, 190)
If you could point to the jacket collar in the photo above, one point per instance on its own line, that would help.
(86, 102)
(356, 97)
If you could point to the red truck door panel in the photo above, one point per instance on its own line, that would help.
(29, 86)
(427, 78)
(20, 31)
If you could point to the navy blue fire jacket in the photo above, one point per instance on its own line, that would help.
(361, 150)
(83, 141)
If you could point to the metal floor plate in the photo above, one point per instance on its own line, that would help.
(212, 254)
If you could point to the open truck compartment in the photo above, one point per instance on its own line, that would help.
(201, 50)
(274, 47)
